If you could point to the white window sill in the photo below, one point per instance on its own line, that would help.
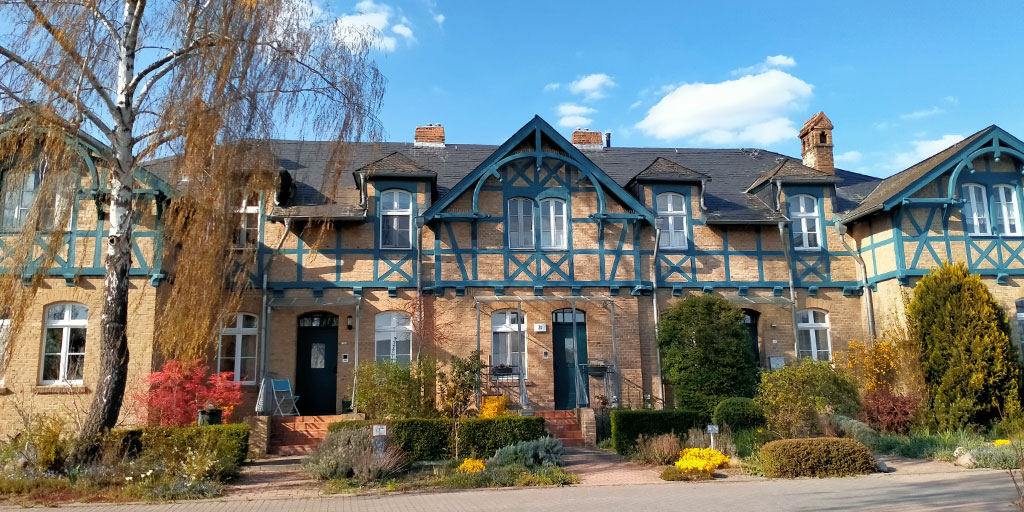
(808, 249)
(60, 389)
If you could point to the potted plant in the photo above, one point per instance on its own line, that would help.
(501, 369)
(597, 367)
(210, 415)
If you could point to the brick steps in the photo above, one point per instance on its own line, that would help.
(298, 435)
(563, 425)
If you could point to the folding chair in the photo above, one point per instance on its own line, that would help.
(284, 399)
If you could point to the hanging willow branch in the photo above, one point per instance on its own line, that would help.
(212, 82)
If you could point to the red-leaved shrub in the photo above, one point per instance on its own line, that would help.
(175, 394)
(887, 411)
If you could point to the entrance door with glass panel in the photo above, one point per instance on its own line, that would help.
(316, 364)
(567, 367)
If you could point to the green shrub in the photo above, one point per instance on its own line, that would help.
(546, 451)
(628, 425)
(673, 474)
(855, 429)
(177, 447)
(349, 453)
(738, 413)
(818, 457)
(794, 398)
(971, 368)
(391, 390)
(995, 457)
(706, 353)
(432, 438)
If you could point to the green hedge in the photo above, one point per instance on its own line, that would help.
(818, 457)
(738, 413)
(628, 425)
(431, 439)
(230, 442)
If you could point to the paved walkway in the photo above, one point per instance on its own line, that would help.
(975, 490)
(272, 479)
(600, 467)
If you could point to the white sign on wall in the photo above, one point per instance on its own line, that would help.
(380, 430)
(540, 327)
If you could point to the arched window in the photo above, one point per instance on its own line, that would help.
(553, 233)
(64, 338)
(237, 352)
(508, 345)
(813, 337)
(806, 230)
(672, 220)
(520, 223)
(975, 209)
(393, 337)
(19, 192)
(396, 220)
(1007, 212)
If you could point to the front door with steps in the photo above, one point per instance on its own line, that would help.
(566, 374)
(316, 364)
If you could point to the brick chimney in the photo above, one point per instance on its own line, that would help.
(816, 143)
(431, 135)
(583, 138)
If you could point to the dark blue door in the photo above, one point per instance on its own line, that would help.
(316, 364)
(566, 375)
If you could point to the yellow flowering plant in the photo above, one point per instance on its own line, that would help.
(471, 466)
(493, 407)
(715, 458)
(1001, 442)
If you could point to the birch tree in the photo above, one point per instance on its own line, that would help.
(209, 80)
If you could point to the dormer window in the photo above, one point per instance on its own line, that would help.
(19, 192)
(975, 210)
(671, 220)
(396, 220)
(247, 235)
(806, 229)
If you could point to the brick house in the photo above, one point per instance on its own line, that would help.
(554, 257)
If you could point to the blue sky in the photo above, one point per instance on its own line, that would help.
(900, 80)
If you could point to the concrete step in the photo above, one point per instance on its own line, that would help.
(290, 450)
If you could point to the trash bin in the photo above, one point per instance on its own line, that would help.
(210, 417)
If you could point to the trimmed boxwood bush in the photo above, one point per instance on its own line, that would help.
(818, 457)
(738, 413)
(628, 425)
(431, 439)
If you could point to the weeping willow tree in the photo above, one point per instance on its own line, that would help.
(211, 81)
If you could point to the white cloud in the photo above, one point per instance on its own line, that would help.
(921, 114)
(752, 108)
(953, 100)
(592, 86)
(573, 115)
(370, 23)
(849, 157)
(636, 104)
(923, 149)
(439, 19)
(770, 62)
(553, 86)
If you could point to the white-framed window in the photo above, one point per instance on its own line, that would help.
(64, 336)
(975, 209)
(19, 192)
(553, 222)
(1007, 212)
(247, 235)
(520, 223)
(806, 227)
(813, 337)
(393, 337)
(5, 333)
(238, 345)
(396, 220)
(508, 341)
(672, 220)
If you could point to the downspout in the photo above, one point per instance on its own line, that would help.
(657, 315)
(419, 285)
(869, 303)
(789, 265)
(266, 304)
(355, 374)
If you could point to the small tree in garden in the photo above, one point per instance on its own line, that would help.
(390, 390)
(706, 352)
(177, 392)
(794, 398)
(459, 384)
(971, 368)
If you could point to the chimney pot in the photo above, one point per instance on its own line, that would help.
(816, 143)
(429, 136)
(586, 139)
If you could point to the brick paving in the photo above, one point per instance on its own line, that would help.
(595, 466)
(272, 479)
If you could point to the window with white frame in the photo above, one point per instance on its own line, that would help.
(19, 192)
(975, 209)
(553, 233)
(806, 228)
(508, 335)
(520, 223)
(64, 335)
(248, 233)
(5, 333)
(1007, 212)
(238, 342)
(813, 337)
(672, 220)
(396, 219)
(393, 337)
